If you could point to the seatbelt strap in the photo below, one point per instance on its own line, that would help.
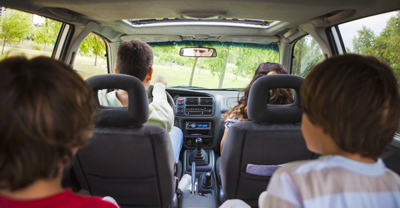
(176, 176)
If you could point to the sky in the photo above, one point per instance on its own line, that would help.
(375, 23)
(38, 19)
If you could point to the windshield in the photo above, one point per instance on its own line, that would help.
(232, 69)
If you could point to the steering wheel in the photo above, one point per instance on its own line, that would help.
(169, 98)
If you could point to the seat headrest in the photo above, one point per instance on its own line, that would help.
(257, 108)
(137, 111)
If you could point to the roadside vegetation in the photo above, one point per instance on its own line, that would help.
(385, 46)
(233, 67)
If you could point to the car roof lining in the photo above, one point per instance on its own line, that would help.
(109, 15)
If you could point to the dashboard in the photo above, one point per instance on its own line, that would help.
(199, 113)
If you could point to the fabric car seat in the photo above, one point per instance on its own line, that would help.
(272, 137)
(129, 161)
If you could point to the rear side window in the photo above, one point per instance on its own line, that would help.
(91, 59)
(377, 36)
(306, 54)
(26, 34)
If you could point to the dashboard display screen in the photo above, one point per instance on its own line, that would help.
(202, 125)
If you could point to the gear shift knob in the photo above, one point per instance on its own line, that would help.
(208, 178)
(198, 141)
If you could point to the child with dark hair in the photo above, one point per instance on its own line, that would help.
(278, 96)
(351, 110)
(46, 115)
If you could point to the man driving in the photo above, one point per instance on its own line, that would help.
(135, 58)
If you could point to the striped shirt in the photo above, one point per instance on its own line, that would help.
(332, 181)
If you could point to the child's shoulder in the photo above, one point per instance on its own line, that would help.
(89, 201)
(66, 199)
(301, 164)
(330, 167)
(306, 166)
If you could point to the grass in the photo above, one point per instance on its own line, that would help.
(178, 75)
(175, 75)
(83, 65)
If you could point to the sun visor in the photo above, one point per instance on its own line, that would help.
(261, 39)
(152, 38)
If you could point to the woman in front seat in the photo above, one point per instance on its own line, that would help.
(279, 96)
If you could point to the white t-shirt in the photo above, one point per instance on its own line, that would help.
(160, 112)
(332, 182)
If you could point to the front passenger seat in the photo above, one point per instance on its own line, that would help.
(129, 161)
(272, 137)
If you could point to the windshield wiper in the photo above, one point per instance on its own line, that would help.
(229, 89)
(187, 87)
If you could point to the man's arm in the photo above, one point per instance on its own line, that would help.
(108, 99)
(160, 112)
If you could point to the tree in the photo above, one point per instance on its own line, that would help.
(14, 26)
(363, 43)
(192, 73)
(387, 44)
(222, 74)
(93, 45)
(47, 32)
(242, 58)
(307, 54)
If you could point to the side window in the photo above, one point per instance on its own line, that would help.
(306, 54)
(377, 36)
(27, 34)
(91, 59)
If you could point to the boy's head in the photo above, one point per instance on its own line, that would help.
(355, 100)
(46, 112)
(135, 58)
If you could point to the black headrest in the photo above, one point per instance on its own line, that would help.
(257, 108)
(137, 111)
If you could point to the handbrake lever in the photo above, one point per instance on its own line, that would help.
(193, 177)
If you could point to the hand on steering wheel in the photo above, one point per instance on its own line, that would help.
(169, 97)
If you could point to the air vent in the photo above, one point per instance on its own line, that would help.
(206, 101)
(192, 101)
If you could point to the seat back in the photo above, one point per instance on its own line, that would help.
(273, 137)
(126, 160)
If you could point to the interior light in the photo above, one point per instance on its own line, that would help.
(200, 17)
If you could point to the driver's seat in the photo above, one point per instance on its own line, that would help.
(131, 162)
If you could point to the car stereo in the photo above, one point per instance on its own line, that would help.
(195, 129)
(198, 125)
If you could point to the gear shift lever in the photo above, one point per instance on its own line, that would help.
(199, 142)
(199, 156)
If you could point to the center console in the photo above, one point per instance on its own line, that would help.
(199, 116)
(197, 113)
(199, 166)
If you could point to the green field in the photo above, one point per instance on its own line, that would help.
(175, 75)
(178, 75)
(83, 65)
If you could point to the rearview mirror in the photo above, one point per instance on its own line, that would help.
(198, 52)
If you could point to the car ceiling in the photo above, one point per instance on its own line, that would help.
(291, 13)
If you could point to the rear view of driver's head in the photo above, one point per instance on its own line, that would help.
(134, 58)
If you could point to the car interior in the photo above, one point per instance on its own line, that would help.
(134, 163)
